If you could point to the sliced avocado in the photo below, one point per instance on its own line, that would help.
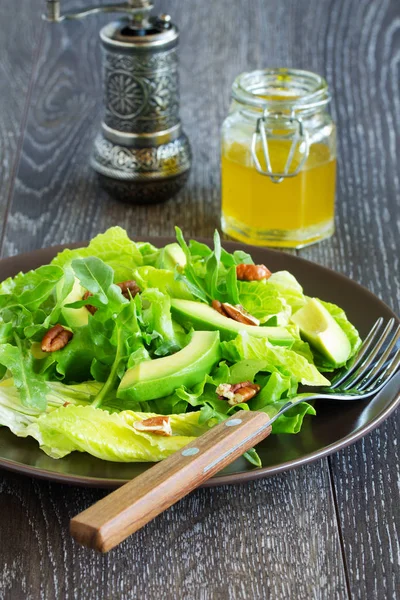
(171, 255)
(74, 317)
(160, 377)
(319, 328)
(201, 316)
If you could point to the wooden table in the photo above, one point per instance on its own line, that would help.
(327, 530)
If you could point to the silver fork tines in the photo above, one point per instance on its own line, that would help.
(362, 378)
(379, 343)
(382, 362)
(384, 377)
(368, 372)
(353, 364)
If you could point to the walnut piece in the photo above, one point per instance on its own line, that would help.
(56, 338)
(252, 272)
(160, 425)
(237, 393)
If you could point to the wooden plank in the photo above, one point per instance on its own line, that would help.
(275, 538)
(366, 474)
(284, 528)
(266, 539)
(19, 43)
(57, 195)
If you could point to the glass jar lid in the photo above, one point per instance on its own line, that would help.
(281, 90)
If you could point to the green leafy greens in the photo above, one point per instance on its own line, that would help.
(68, 400)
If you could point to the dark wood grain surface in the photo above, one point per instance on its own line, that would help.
(327, 530)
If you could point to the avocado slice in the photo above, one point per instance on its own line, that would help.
(171, 255)
(74, 317)
(160, 377)
(319, 328)
(202, 316)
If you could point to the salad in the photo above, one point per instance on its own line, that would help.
(129, 352)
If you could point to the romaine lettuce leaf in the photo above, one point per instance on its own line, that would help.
(113, 247)
(150, 253)
(276, 358)
(262, 300)
(289, 289)
(163, 280)
(70, 423)
(110, 436)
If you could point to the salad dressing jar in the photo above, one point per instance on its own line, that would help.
(278, 159)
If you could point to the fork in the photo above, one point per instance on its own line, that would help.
(124, 511)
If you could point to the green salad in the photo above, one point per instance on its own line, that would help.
(129, 352)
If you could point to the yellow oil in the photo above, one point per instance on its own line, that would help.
(295, 212)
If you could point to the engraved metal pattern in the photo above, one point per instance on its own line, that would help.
(141, 91)
(121, 162)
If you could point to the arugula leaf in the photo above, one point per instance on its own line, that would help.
(63, 288)
(253, 458)
(212, 267)
(187, 274)
(209, 275)
(97, 277)
(157, 320)
(126, 338)
(20, 362)
(73, 362)
(31, 289)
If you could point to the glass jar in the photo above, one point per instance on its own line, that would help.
(279, 160)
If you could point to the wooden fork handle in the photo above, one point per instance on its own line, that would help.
(121, 513)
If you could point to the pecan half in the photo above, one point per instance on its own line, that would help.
(159, 425)
(252, 272)
(237, 312)
(89, 307)
(129, 289)
(240, 314)
(237, 393)
(56, 338)
(217, 305)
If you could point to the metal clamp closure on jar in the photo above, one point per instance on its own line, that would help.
(300, 136)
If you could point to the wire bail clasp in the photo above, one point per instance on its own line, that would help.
(299, 136)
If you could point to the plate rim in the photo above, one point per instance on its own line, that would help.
(230, 478)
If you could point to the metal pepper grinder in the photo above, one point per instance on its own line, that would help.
(141, 153)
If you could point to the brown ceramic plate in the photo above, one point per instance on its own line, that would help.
(335, 426)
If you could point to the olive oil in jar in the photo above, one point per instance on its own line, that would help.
(282, 195)
(297, 204)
